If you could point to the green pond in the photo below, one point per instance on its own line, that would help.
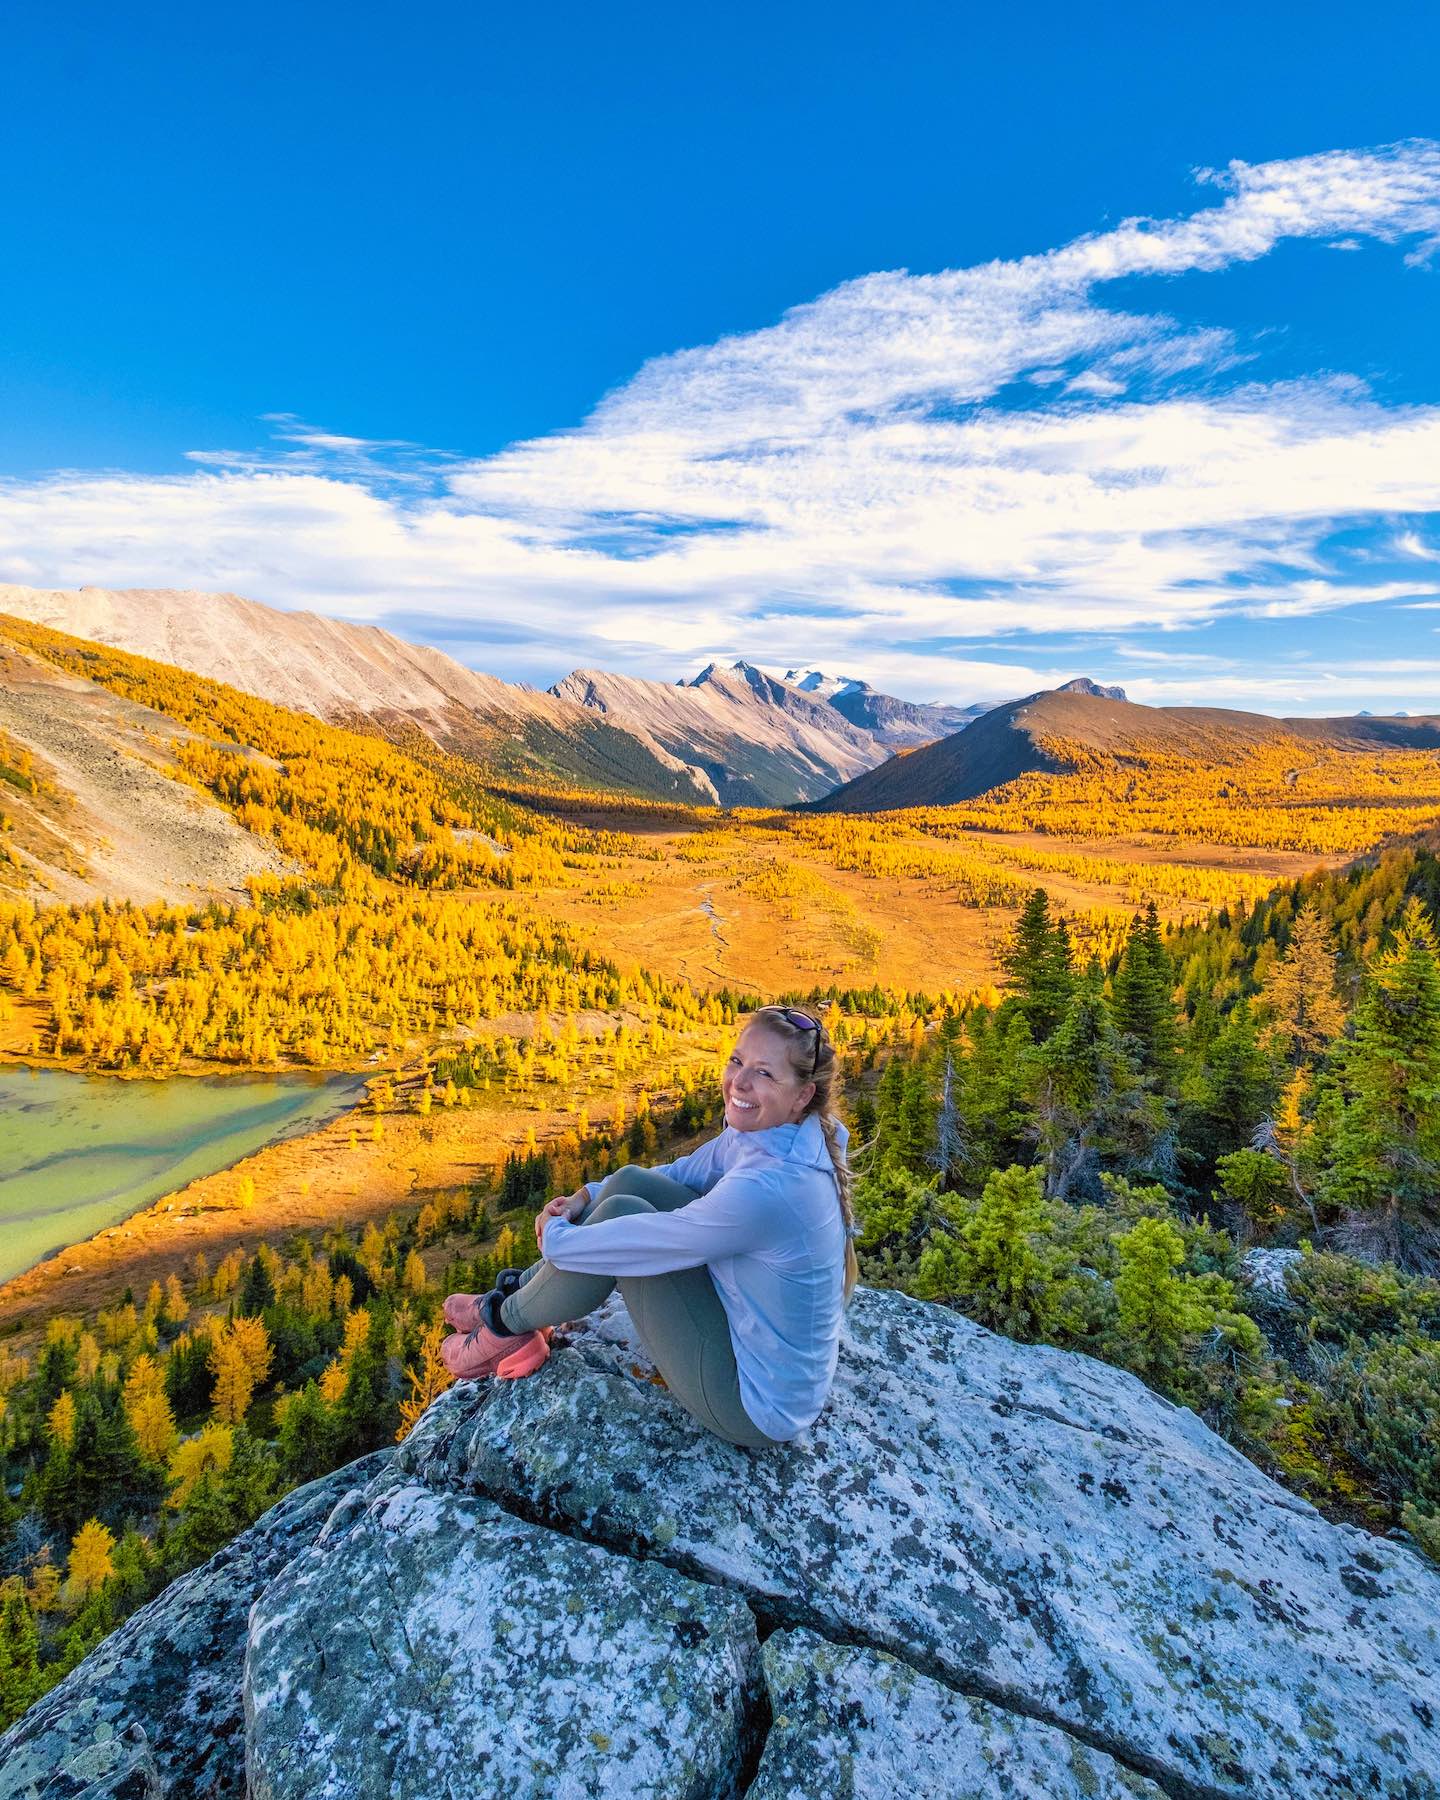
(80, 1152)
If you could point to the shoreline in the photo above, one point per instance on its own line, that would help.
(303, 1183)
(166, 1153)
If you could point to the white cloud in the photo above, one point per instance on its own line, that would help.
(844, 478)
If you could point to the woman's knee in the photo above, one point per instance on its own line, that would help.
(615, 1206)
(622, 1181)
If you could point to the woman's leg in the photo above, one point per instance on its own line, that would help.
(679, 1316)
(683, 1323)
(550, 1296)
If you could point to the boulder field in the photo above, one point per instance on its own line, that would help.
(989, 1569)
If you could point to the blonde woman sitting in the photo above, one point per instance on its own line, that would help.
(735, 1262)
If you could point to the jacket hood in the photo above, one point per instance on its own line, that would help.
(803, 1143)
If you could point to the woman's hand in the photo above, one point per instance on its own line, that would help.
(564, 1206)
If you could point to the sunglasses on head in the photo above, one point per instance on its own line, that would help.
(796, 1017)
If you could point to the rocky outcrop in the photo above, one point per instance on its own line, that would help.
(1264, 1271)
(1022, 1524)
(154, 1712)
(987, 1570)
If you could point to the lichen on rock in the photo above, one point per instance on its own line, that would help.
(1011, 1562)
(1018, 1522)
(859, 1722)
(435, 1644)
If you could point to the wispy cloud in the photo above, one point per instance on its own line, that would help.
(859, 475)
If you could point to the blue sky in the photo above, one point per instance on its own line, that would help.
(635, 336)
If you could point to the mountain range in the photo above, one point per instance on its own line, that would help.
(731, 736)
(734, 736)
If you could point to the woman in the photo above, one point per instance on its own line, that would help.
(734, 1262)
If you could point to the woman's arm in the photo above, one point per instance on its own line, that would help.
(737, 1216)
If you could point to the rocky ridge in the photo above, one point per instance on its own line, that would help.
(759, 741)
(341, 672)
(988, 1569)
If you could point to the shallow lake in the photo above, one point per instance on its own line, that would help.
(80, 1152)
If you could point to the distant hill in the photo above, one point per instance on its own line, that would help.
(896, 723)
(904, 724)
(1061, 728)
(759, 741)
(343, 672)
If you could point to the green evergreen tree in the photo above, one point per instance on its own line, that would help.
(309, 1436)
(1036, 962)
(1386, 1150)
(101, 1469)
(137, 1571)
(889, 1137)
(1144, 1008)
(21, 1680)
(993, 1083)
(1155, 1307)
(365, 1414)
(1002, 1267)
(222, 1505)
(257, 1290)
(916, 1136)
(1229, 1093)
(1092, 1110)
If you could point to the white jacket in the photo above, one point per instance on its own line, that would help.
(767, 1225)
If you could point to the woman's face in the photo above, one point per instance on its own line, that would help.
(759, 1086)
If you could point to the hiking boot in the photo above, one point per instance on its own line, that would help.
(474, 1355)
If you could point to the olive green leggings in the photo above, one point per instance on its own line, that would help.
(679, 1316)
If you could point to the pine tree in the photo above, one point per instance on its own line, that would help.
(308, 1435)
(1387, 1146)
(1230, 1093)
(1010, 1259)
(1156, 1309)
(1091, 1108)
(917, 1115)
(1036, 961)
(889, 1104)
(995, 1078)
(1144, 1008)
(21, 1681)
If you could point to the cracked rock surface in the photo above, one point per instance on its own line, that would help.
(153, 1712)
(431, 1644)
(851, 1722)
(996, 1569)
(1021, 1523)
